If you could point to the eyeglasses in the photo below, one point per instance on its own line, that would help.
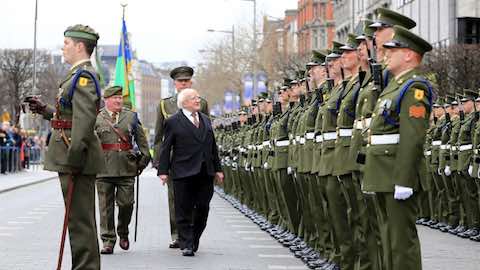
(194, 98)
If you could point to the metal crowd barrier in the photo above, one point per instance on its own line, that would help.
(10, 158)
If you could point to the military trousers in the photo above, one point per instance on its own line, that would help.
(273, 212)
(171, 211)
(402, 244)
(444, 189)
(451, 192)
(320, 217)
(338, 207)
(470, 200)
(82, 227)
(121, 191)
(286, 188)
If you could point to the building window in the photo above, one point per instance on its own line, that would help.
(468, 30)
(315, 39)
(323, 38)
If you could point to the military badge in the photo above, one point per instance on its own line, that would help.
(82, 81)
(417, 111)
(419, 94)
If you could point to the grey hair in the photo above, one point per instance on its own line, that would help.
(182, 95)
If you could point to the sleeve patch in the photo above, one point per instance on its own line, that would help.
(417, 111)
(83, 81)
(419, 94)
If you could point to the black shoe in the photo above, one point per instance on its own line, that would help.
(196, 243)
(431, 222)
(420, 221)
(457, 230)
(107, 250)
(475, 238)
(174, 244)
(188, 252)
(465, 234)
(446, 228)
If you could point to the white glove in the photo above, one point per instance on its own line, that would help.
(448, 172)
(252, 169)
(470, 170)
(402, 193)
(439, 171)
(289, 170)
(265, 165)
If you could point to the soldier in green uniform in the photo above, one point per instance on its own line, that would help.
(74, 149)
(394, 158)
(447, 168)
(182, 77)
(468, 189)
(476, 158)
(118, 128)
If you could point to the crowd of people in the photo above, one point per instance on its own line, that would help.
(18, 150)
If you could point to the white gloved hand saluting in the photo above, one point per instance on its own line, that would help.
(470, 170)
(289, 170)
(402, 193)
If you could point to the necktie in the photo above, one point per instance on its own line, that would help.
(195, 120)
(114, 117)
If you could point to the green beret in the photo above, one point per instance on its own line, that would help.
(181, 73)
(112, 91)
(366, 30)
(351, 44)
(336, 52)
(82, 32)
(403, 38)
(389, 18)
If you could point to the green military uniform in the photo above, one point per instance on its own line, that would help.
(166, 108)
(476, 158)
(74, 151)
(394, 158)
(468, 188)
(117, 131)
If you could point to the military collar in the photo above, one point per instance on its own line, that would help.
(403, 73)
(78, 63)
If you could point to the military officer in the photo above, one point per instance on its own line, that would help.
(468, 189)
(74, 149)
(118, 128)
(182, 77)
(396, 137)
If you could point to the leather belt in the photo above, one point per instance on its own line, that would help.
(282, 143)
(427, 153)
(310, 135)
(436, 143)
(61, 124)
(385, 139)
(445, 147)
(116, 146)
(345, 132)
(329, 136)
(465, 147)
(319, 138)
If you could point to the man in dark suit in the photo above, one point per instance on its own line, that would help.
(189, 155)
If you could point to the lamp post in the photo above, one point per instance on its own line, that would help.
(254, 46)
(231, 32)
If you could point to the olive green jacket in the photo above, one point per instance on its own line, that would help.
(345, 162)
(329, 125)
(279, 133)
(401, 163)
(465, 152)
(122, 163)
(84, 154)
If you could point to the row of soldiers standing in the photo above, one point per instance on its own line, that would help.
(335, 169)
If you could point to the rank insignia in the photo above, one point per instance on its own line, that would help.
(82, 81)
(417, 111)
(418, 94)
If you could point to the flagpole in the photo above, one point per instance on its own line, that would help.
(125, 68)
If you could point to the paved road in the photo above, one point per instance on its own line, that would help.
(32, 218)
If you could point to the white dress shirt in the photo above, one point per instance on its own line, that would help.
(188, 114)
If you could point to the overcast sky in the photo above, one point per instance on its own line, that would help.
(162, 30)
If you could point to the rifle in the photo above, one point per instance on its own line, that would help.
(377, 75)
(329, 79)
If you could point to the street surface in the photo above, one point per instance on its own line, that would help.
(32, 217)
